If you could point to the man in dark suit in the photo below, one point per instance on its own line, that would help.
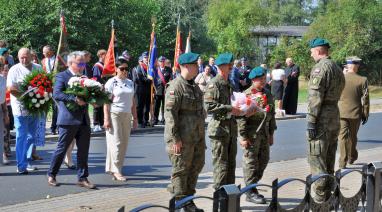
(162, 77)
(72, 124)
(142, 90)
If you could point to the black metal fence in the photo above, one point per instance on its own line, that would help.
(227, 198)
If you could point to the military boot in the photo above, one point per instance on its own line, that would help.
(254, 197)
(190, 207)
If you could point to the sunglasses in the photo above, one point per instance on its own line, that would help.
(122, 68)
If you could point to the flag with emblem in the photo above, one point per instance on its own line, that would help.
(63, 49)
(178, 47)
(109, 67)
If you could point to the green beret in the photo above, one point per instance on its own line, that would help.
(318, 42)
(257, 72)
(225, 58)
(3, 50)
(188, 58)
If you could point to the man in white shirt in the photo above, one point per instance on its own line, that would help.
(48, 61)
(25, 124)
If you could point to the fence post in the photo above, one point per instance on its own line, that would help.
(374, 187)
(229, 198)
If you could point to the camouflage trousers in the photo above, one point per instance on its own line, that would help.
(186, 168)
(348, 141)
(255, 159)
(322, 155)
(224, 150)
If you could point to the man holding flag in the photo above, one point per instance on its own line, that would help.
(162, 75)
(142, 83)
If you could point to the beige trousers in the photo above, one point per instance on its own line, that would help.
(116, 141)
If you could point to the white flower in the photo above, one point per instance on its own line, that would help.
(31, 93)
(50, 95)
(37, 105)
(73, 81)
(42, 101)
(92, 83)
(47, 98)
(46, 94)
(34, 100)
(35, 90)
(30, 87)
(38, 96)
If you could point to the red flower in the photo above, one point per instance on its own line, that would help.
(268, 108)
(265, 100)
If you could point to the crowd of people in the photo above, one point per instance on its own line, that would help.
(180, 98)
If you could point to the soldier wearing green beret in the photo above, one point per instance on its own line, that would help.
(324, 90)
(222, 128)
(184, 130)
(256, 133)
(354, 107)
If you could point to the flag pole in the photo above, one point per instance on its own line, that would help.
(153, 20)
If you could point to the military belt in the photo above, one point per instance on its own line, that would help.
(329, 102)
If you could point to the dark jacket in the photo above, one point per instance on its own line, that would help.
(158, 82)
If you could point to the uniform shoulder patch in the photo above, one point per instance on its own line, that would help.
(316, 71)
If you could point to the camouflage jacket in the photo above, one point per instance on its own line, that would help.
(325, 87)
(217, 99)
(248, 125)
(184, 111)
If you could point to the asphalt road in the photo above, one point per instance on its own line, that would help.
(147, 161)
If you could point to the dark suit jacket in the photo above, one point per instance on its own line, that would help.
(142, 82)
(65, 116)
(159, 87)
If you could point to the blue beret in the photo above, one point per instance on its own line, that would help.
(145, 54)
(257, 72)
(225, 58)
(3, 50)
(318, 42)
(188, 58)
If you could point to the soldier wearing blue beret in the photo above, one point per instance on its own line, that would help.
(256, 143)
(184, 130)
(325, 87)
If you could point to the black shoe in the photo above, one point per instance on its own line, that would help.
(73, 167)
(255, 198)
(190, 207)
(12, 136)
(162, 122)
(53, 132)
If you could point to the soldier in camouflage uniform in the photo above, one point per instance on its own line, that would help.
(325, 87)
(256, 143)
(222, 129)
(184, 130)
(354, 107)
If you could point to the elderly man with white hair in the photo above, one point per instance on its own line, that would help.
(25, 124)
(72, 124)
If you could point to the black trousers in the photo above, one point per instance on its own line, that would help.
(143, 107)
(53, 126)
(66, 135)
(98, 116)
(158, 104)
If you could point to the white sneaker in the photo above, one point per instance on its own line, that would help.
(97, 128)
(6, 161)
(31, 168)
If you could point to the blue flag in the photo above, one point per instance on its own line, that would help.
(153, 57)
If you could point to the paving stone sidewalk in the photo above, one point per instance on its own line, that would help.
(112, 199)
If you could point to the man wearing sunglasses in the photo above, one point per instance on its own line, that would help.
(71, 124)
(354, 108)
